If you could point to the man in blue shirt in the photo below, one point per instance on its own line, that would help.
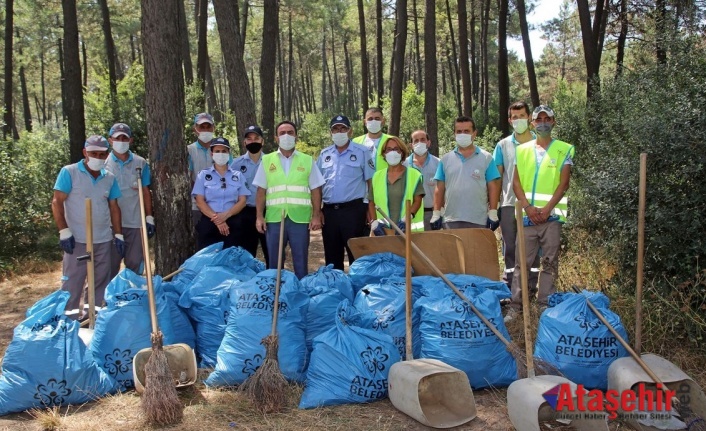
(347, 169)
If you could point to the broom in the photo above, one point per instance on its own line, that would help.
(160, 401)
(267, 387)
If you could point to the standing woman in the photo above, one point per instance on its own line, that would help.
(392, 186)
(220, 194)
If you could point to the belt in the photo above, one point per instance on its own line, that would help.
(342, 205)
(428, 210)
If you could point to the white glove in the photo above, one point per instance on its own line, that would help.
(493, 215)
(435, 216)
(120, 237)
(65, 234)
(374, 224)
(150, 220)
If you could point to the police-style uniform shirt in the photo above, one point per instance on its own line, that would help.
(504, 155)
(79, 184)
(199, 158)
(428, 170)
(345, 173)
(220, 192)
(247, 168)
(315, 178)
(126, 176)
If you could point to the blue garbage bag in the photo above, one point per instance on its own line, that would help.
(372, 268)
(47, 364)
(250, 320)
(451, 332)
(330, 278)
(191, 268)
(124, 327)
(237, 258)
(181, 323)
(349, 364)
(462, 280)
(571, 338)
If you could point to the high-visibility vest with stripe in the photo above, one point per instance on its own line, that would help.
(539, 182)
(380, 162)
(288, 192)
(413, 177)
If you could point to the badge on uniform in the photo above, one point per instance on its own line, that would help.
(552, 162)
(353, 158)
(371, 164)
(327, 159)
(300, 169)
(272, 167)
(234, 177)
(476, 174)
(243, 169)
(208, 177)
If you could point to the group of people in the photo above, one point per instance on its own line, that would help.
(355, 187)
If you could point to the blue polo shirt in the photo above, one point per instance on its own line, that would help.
(345, 173)
(491, 172)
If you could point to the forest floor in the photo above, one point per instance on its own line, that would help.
(214, 409)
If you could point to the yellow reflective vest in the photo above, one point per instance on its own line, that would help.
(413, 177)
(380, 162)
(289, 192)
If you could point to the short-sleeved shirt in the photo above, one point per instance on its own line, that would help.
(345, 173)
(220, 192)
(428, 170)
(126, 175)
(199, 158)
(504, 155)
(247, 168)
(79, 184)
(315, 178)
(395, 195)
(466, 183)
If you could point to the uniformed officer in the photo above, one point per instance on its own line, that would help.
(220, 193)
(374, 140)
(199, 155)
(347, 169)
(247, 165)
(427, 164)
(124, 165)
(75, 183)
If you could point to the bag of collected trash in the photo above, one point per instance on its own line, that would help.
(181, 323)
(47, 364)
(349, 364)
(374, 267)
(498, 287)
(123, 327)
(451, 332)
(330, 278)
(571, 338)
(237, 258)
(191, 268)
(250, 320)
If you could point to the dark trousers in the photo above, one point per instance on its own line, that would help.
(251, 237)
(297, 236)
(207, 233)
(341, 223)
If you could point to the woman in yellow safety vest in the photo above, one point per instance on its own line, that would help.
(392, 186)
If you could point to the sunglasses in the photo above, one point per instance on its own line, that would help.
(223, 183)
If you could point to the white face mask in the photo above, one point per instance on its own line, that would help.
(340, 139)
(373, 126)
(464, 140)
(520, 125)
(95, 164)
(393, 158)
(420, 148)
(221, 158)
(287, 142)
(121, 147)
(205, 136)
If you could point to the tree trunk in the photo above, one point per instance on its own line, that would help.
(268, 60)
(26, 113)
(244, 22)
(41, 83)
(529, 61)
(474, 52)
(84, 63)
(486, 62)
(62, 74)
(336, 86)
(463, 58)
(364, 66)
(110, 55)
(378, 40)
(202, 42)
(7, 116)
(503, 73)
(164, 106)
(622, 38)
(211, 98)
(133, 55)
(589, 49)
(324, 67)
(73, 90)
(430, 76)
(290, 67)
(454, 76)
(398, 71)
(417, 53)
(185, 46)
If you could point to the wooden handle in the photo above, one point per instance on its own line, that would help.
(172, 274)
(408, 280)
(90, 266)
(640, 253)
(525, 288)
(280, 262)
(146, 254)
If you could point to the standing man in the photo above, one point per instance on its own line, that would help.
(199, 154)
(541, 178)
(374, 139)
(467, 180)
(124, 165)
(75, 183)
(247, 165)
(427, 164)
(288, 181)
(347, 169)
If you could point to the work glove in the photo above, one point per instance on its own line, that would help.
(120, 244)
(151, 229)
(493, 222)
(67, 241)
(402, 225)
(377, 227)
(435, 221)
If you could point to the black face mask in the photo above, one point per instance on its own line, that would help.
(253, 147)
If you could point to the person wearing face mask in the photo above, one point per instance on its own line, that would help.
(75, 183)
(427, 164)
(220, 193)
(347, 169)
(247, 165)
(374, 139)
(467, 183)
(124, 164)
(394, 185)
(541, 178)
(288, 181)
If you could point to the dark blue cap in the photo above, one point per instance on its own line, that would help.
(340, 119)
(221, 141)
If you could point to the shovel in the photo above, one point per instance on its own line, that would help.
(526, 404)
(86, 334)
(430, 391)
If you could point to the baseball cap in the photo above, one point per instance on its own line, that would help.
(120, 129)
(203, 117)
(96, 143)
(542, 108)
(340, 119)
(253, 129)
(221, 141)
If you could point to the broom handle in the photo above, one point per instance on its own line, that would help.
(448, 282)
(90, 266)
(408, 282)
(170, 275)
(146, 254)
(640, 253)
(280, 260)
(525, 288)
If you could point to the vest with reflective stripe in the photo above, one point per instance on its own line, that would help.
(288, 192)
(380, 196)
(380, 162)
(540, 182)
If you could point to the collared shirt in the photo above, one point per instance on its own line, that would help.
(199, 158)
(126, 174)
(345, 172)
(247, 167)
(428, 170)
(315, 178)
(504, 155)
(220, 192)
